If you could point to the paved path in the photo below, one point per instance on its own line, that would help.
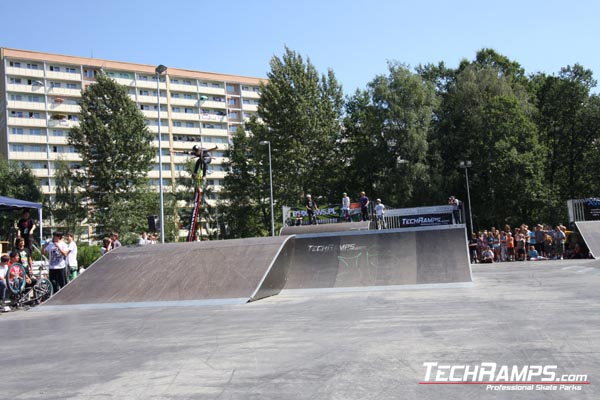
(330, 345)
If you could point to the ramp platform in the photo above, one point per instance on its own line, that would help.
(336, 227)
(245, 269)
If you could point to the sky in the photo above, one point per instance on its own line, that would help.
(355, 39)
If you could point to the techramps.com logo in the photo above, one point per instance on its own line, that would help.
(498, 377)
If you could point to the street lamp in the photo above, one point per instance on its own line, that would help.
(159, 71)
(268, 143)
(466, 165)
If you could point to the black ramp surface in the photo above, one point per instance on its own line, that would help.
(226, 269)
(380, 258)
(590, 231)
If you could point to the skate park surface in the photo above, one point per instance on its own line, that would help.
(366, 343)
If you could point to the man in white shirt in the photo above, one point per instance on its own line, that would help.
(143, 239)
(379, 211)
(72, 267)
(57, 252)
(346, 207)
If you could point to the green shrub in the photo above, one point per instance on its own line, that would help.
(86, 255)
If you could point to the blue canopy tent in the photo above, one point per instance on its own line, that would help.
(8, 203)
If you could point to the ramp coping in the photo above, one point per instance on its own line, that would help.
(142, 304)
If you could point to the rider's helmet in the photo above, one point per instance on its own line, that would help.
(195, 148)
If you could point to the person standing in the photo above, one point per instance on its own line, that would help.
(26, 261)
(72, 266)
(346, 207)
(379, 211)
(57, 252)
(114, 237)
(3, 285)
(25, 228)
(364, 206)
(311, 207)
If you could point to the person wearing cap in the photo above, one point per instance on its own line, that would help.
(311, 207)
(345, 207)
(25, 228)
(379, 211)
(57, 251)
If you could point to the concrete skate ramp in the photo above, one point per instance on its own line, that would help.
(590, 232)
(338, 227)
(244, 269)
(380, 258)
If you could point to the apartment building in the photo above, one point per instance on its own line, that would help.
(38, 106)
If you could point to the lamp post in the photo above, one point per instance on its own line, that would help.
(268, 143)
(466, 165)
(159, 71)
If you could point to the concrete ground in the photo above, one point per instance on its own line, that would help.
(367, 344)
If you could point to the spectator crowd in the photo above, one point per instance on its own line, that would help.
(541, 242)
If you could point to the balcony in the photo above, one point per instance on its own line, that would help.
(27, 105)
(178, 101)
(250, 107)
(214, 132)
(64, 76)
(62, 123)
(154, 114)
(36, 122)
(208, 117)
(186, 131)
(150, 99)
(214, 104)
(149, 85)
(36, 73)
(59, 91)
(250, 94)
(184, 116)
(14, 87)
(211, 90)
(64, 108)
(26, 138)
(126, 81)
(177, 87)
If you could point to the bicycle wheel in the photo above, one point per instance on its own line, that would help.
(43, 290)
(16, 282)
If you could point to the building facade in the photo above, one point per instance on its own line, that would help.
(38, 105)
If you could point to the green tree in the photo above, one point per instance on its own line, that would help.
(569, 125)
(246, 212)
(116, 151)
(69, 205)
(300, 114)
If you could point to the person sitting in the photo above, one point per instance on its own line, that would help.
(533, 254)
(487, 256)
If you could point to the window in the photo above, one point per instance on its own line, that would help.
(189, 110)
(32, 66)
(230, 88)
(16, 114)
(35, 115)
(90, 73)
(204, 84)
(247, 88)
(34, 99)
(17, 147)
(233, 115)
(144, 93)
(17, 131)
(16, 81)
(175, 109)
(177, 123)
(57, 132)
(70, 70)
(72, 86)
(36, 132)
(187, 96)
(175, 95)
(37, 148)
(142, 78)
(123, 75)
(15, 64)
(232, 102)
(189, 125)
(215, 85)
(55, 84)
(246, 101)
(54, 68)
(16, 97)
(187, 82)
(175, 81)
